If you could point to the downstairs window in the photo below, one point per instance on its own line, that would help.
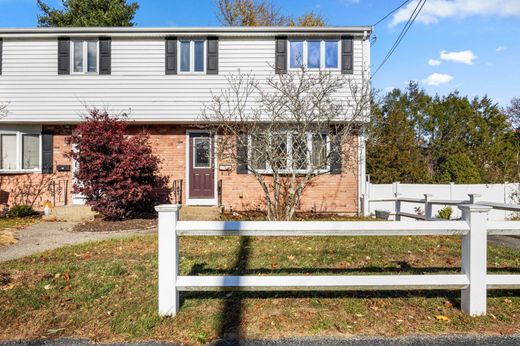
(290, 152)
(20, 152)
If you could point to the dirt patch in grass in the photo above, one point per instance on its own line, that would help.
(100, 224)
(107, 291)
(10, 226)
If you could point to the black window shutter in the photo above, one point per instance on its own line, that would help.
(105, 55)
(212, 54)
(242, 154)
(335, 155)
(171, 55)
(63, 55)
(1, 54)
(347, 55)
(47, 150)
(281, 55)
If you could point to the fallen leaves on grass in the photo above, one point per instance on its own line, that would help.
(8, 237)
(442, 318)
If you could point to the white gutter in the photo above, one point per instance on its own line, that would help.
(184, 31)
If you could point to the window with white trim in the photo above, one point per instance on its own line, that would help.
(291, 152)
(20, 152)
(314, 54)
(84, 56)
(192, 54)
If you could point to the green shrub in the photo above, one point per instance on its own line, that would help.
(21, 210)
(459, 169)
(445, 213)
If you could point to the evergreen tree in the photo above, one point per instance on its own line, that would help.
(393, 150)
(419, 139)
(459, 169)
(80, 13)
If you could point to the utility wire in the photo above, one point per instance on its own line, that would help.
(407, 27)
(392, 12)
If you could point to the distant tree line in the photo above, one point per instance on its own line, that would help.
(416, 138)
(81, 13)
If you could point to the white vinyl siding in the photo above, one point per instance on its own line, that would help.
(137, 85)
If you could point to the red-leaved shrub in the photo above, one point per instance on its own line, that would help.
(118, 174)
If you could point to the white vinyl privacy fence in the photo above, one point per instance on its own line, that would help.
(382, 197)
(473, 280)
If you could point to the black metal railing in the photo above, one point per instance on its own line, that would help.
(59, 192)
(177, 191)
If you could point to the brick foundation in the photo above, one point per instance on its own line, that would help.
(326, 193)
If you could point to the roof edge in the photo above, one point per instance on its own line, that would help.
(158, 31)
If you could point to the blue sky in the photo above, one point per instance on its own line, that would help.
(469, 45)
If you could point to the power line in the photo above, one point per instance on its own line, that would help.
(408, 25)
(401, 35)
(399, 39)
(392, 12)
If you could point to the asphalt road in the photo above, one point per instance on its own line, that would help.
(407, 341)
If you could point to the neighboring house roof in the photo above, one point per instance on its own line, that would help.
(186, 31)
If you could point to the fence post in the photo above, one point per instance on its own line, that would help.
(395, 188)
(397, 208)
(473, 198)
(168, 259)
(474, 259)
(427, 207)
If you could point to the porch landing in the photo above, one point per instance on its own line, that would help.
(200, 213)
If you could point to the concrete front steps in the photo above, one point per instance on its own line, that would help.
(71, 213)
(200, 213)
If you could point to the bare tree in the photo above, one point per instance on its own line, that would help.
(248, 13)
(260, 13)
(287, 130)
(3, 110)
(308, 19)
(513, 112)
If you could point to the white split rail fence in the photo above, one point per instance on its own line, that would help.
(383, 197)
(473, 281)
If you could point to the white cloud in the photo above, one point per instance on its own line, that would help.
(350, 2)
(433, 62)
(500, 49)
(464, 56)
(438, 79)
(435, 10)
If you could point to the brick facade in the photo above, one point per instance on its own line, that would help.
(332, 193)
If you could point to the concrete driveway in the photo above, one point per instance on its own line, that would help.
(45, 236)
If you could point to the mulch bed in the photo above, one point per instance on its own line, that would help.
(254, 215)
(102, 225)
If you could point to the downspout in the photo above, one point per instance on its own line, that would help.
(361, 137)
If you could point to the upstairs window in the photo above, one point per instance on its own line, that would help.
(192, 54)
(84, 56)
(20, 152)
(314, 54)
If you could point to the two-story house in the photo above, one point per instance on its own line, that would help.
(161, 77)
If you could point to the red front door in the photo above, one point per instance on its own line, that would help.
(201, 170)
